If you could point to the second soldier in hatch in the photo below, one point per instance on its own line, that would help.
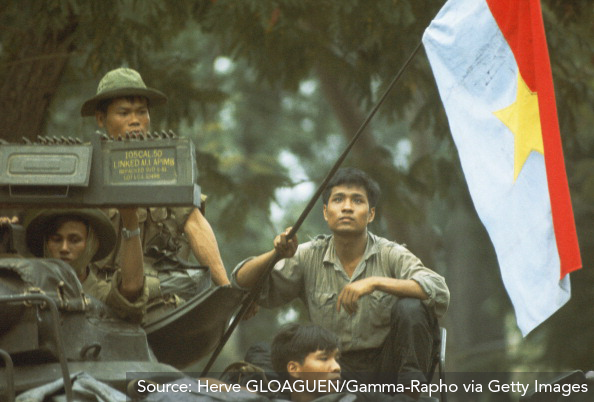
(80, 236)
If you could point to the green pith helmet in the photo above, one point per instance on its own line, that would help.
(37, 222)
(119, 83)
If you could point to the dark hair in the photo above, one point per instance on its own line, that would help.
(354, 177)
(104, 104)
(55, 224)
(294, 342)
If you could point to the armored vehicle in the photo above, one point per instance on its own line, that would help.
(56, 341)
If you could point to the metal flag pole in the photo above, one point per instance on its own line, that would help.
(255, 291)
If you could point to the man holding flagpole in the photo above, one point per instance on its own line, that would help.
(491, 64)
(378, 297)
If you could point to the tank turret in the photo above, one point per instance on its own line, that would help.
(50, 330)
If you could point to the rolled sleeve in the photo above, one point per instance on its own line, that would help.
(437, 291)
(131, 311)
(284, 283)
(181, 215)
(109, 293)
(410, 267)
(233, 279)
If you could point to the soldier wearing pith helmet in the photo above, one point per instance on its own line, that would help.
(122, 104)
(81, 236)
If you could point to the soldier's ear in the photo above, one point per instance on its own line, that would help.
(100, 118)
(294, 369)
(371, 215)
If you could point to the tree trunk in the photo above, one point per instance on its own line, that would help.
(31, 80)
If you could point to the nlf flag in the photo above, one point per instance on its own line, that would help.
(491, 64)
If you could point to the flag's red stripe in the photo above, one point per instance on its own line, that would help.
(521, 23)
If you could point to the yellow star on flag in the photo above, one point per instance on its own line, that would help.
(523, 119)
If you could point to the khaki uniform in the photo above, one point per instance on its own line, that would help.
(316, 276)
(107, 292)
(161, 233)
(171, 274)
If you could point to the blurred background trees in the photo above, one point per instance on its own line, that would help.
(271, 91)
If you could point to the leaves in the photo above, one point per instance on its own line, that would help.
(259, 132)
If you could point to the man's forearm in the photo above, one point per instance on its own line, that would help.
(204, 246)
(132, 260)
(249, 273)
(253, 269)
(400, 287)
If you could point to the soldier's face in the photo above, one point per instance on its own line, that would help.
(317, 370)
(348, 211)
(125, 115)
(68, 242)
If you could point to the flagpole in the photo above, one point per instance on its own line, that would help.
(255, 291)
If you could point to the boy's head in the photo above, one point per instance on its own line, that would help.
(353, 177)
(306, 352)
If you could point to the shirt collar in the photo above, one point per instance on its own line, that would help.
(330, 256)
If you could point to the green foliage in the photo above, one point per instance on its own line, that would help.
(296, 67)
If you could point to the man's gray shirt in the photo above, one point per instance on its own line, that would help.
(316, 276)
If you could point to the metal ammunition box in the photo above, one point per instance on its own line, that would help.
(151, 170)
